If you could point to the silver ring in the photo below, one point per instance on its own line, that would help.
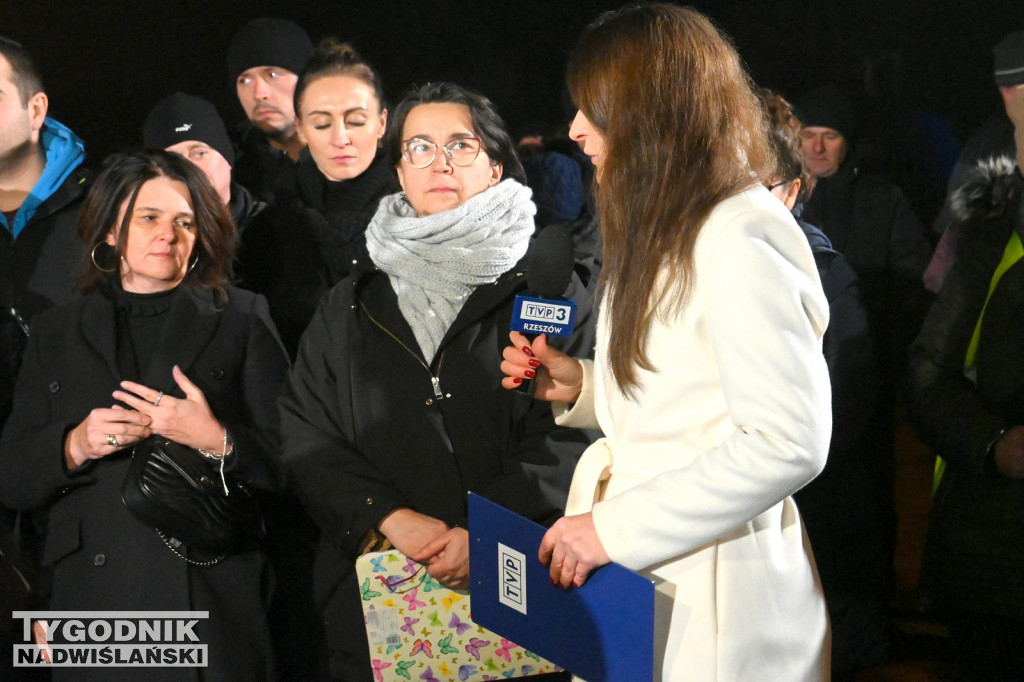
(112, 440)
(159, 396)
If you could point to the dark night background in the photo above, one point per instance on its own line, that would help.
(106, 62)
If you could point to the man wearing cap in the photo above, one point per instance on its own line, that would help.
(263, 62)
(992, 141)
(190, 126)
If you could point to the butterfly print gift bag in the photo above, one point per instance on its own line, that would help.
(420, 630)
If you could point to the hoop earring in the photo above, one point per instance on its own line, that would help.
(194, 264)
(92, 256)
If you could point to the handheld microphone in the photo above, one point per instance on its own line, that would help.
(546, 310)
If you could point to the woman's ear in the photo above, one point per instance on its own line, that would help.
(111, 238)
(383, 123)
(401, 175)
(792, 192)
(496, 169)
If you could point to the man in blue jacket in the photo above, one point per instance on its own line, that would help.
(41, 188)
(42, 184)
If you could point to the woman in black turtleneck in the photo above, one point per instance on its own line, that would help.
(308, 240)
(159, 344)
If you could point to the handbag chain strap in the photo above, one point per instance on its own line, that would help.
(171, 547)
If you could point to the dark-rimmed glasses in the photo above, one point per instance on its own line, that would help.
(420, 153)
(780, 183)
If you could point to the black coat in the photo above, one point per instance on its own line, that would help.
(258, 167)
(365, 433)
(37, 271)
(974, 554)
(99, 556)
(306, 241)
(870, 222)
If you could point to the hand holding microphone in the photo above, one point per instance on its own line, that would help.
(555, 376)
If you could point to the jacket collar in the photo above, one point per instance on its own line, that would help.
(191, 324)
(373, 291)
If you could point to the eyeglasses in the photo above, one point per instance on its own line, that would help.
(780, 183)
(420, 153)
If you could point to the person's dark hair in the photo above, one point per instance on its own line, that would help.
(784, 135)
(118, 185)
(487, 124)
(331, 58)
(23, 70)
(683, 131)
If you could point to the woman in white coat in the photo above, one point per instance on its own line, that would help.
(708, 383)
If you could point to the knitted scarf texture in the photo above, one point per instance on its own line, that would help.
(434, 262)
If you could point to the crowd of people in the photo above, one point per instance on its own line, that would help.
(318, 305)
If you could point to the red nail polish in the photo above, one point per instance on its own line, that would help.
(526, 349)
(534, 363)
(529, 373)
(551, 580)
(516, 380)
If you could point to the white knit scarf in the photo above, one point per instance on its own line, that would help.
(435, 261)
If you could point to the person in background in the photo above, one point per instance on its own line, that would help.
(967, 379)
(42, 183)
(710, 385)
(263, 63)
(159, 344)
(313, 233)
(844, 517)
(392, 410)
(190, 126)
(994, 140)
(870, 222)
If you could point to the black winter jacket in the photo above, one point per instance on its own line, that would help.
(37, 271)
(306, 241)
(871, 223)
(974, 555)
(367, 430)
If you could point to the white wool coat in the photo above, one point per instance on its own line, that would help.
(691, 484)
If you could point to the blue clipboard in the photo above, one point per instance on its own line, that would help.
(603, 630)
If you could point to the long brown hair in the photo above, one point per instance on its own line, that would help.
(682, 131)
(119, 183)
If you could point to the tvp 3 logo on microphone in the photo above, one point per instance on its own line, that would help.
(554, 317)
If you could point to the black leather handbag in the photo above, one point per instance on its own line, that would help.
(173, 488)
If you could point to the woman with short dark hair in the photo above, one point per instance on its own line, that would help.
(160, 344)
(393, 409)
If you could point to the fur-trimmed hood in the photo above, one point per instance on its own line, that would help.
(991, 187)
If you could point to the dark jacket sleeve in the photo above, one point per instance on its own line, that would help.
(850, 355)
(944, 406)
(256, 438)
(32, 446)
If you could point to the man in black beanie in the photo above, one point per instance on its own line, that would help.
(263, 62)
(191, 127)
